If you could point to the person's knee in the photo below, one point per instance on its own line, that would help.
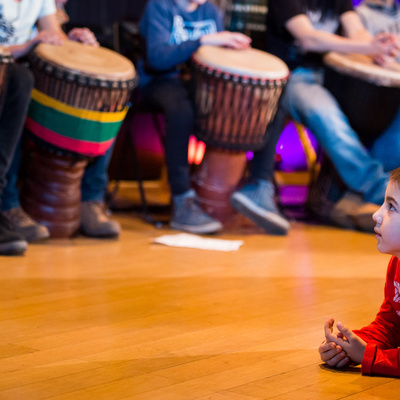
(21, 78)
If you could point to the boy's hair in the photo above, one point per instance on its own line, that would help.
(395, 176)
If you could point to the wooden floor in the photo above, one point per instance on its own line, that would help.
(129, 319)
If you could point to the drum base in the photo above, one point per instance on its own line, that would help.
(51, 191)
(215, 179)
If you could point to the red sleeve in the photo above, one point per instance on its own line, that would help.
(377, 361)
(382, 356)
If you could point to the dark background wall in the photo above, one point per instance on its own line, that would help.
(103, 12)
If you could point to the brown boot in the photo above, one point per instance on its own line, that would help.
(352, 212)
(95, 221)
(22, 224)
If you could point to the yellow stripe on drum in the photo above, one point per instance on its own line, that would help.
(100, 116)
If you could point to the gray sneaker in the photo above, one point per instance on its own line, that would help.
(95, 221)
(188, 216)
(256, 201)
(22, 224)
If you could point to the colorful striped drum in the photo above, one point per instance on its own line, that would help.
(78, 105)
(80, 96)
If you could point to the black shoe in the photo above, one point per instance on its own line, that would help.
(10, 242)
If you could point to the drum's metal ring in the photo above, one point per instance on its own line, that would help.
(238, 79)
(79, 78)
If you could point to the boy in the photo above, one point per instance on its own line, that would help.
(375, 346)
(172, 30)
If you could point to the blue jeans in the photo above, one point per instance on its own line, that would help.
(387, 147)
(94, 180)
(17, 92)
(310, 103)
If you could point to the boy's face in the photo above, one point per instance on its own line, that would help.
(387, 220)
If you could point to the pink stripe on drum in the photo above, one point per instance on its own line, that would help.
(90, 149)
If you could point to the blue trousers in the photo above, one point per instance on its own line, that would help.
(363, 171)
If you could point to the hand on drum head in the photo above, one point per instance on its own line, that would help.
(233, 40)
(48, 38)
(83, 35)
(385, 48)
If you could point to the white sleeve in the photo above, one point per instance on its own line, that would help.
(48, 8)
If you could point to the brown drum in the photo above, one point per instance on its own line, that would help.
(237, 93)
(78, 105)
(368, 94)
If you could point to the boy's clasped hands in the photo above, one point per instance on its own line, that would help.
(342, 348)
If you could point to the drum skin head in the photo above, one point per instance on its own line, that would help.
(250, 62)
(364, 67)
(96, 62)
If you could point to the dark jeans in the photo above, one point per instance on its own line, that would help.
(17, 93)
(263, 163)
(172, 97)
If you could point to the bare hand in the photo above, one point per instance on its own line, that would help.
(330, 352)
(48, 38)
(233, 40)
(347, 340)
(83, 35)
(384, 45)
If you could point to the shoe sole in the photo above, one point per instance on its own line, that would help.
(270, 222)
(97, 235)
(13, 248)
(212, 227)
(35, 237)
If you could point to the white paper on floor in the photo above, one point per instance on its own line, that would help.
(198, 242)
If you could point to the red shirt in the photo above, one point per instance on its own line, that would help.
(382, 355)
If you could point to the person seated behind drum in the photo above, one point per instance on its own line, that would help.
(172, 30)
(383, 16)
(376, 346)
(300, 32)
(16, 35)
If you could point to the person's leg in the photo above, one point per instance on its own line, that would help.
(312, 105)
(387, 147)
(18, 86)
(173, 99)
(256, 200)
(95, 218)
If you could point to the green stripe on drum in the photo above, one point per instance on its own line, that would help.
(71, 126)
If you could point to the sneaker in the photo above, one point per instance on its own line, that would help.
(10, 242)
(188, 216)
(352, 212)
(22, 224)
(95, 220)
(256, 201)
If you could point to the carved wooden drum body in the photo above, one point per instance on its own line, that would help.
(368, 93)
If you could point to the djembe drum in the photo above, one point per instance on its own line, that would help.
(237, 93)
(368, 93)
(77, 107)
